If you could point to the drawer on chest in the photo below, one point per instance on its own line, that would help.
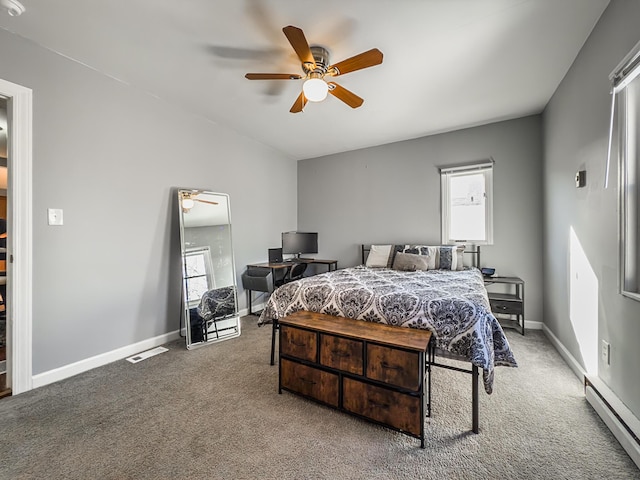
(341, 353)
(399, 410)
(309, 381)
(298, 343)
(393, 366)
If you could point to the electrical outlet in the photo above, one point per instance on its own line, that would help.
(606, 352)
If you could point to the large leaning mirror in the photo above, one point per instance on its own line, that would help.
(210, 312)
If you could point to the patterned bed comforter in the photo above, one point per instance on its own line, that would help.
(452, 304)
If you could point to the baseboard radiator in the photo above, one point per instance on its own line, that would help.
(622, 423)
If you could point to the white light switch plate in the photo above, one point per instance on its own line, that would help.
(55, 216)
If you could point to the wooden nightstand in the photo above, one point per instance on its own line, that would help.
(510, 303)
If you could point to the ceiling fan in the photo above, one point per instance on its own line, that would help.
(188, 200)
(315, 65)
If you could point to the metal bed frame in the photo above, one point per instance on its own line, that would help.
(431, 357)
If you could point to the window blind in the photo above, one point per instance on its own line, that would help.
(626, 71)
(469, 167)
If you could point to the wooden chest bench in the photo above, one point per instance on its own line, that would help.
(373, 371)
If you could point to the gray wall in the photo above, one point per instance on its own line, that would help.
(576, 125)
(110, 155)
(391, 194)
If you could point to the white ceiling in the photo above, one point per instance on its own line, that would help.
(448, 64)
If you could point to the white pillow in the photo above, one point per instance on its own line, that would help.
(378, 256)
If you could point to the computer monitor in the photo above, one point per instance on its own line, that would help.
(299, 243)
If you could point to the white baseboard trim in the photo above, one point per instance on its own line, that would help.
(533, 325)
(87, 364)
(624, 425)
(608, 409)
(564, 353)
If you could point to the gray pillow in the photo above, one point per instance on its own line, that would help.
(444, 257)
(409, 262)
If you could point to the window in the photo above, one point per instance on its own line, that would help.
(198, 274)
(626, 90)
(467, 203)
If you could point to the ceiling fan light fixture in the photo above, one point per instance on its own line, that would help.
(315, 89)
(13, 7)
(316, 66)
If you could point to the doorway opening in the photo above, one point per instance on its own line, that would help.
(18, 250)
(5, 388)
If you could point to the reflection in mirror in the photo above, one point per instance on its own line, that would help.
(210, 312)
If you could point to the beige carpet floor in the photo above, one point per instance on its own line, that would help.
(214, 413)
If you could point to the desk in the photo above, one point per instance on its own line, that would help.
(279, 266)
(331, 264)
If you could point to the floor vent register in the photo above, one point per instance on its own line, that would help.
(138, 357)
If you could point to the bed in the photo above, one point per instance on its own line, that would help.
(434, 290)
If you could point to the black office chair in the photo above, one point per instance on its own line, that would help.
(296, 272)
(258, 280)
(280, 276)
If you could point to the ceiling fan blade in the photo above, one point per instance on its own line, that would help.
(363, 60)
(299, 43)
(345, 95)
(272, 76)
(299, 104)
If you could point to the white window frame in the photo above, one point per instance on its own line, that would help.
(446, 174)
(628, 73)
(208, 265)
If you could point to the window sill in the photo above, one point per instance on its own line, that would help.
(632, 295)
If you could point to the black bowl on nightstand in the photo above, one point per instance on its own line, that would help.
(487, 271)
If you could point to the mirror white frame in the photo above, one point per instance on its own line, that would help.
(209, 290)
